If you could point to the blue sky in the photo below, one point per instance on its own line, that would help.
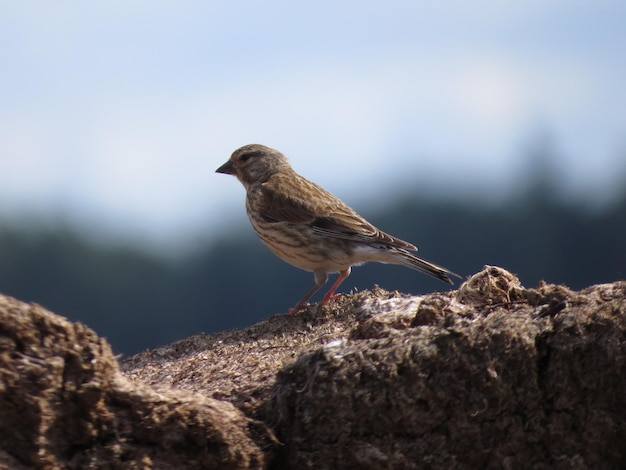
(114, 115)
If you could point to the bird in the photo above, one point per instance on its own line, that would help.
(308, 227)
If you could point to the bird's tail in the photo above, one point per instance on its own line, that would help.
(409, 260)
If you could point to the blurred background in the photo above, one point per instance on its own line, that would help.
(483, 132)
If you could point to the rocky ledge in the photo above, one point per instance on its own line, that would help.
(492, 375)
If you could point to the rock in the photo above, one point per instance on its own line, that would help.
(493, 375)
(65, 404)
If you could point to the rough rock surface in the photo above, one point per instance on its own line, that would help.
(493, 375)
(65, 404)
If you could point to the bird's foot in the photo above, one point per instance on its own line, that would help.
(298, 308)
(331, 298)
(328, 299)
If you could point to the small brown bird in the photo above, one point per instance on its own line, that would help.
(308, 227)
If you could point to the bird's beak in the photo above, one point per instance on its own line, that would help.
(227, 168)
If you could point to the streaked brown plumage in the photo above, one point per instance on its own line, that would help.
(308, 227)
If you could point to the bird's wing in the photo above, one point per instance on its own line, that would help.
(295, 200)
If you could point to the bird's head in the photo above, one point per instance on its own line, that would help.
(254, 163)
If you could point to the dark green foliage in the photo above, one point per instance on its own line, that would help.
(140, 301)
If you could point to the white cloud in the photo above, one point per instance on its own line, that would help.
(490, 93)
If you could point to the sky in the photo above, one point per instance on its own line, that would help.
(115, 114)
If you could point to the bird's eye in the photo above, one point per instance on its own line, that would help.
(247, 156)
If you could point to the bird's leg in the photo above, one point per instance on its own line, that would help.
(320, 279)
(330, 294)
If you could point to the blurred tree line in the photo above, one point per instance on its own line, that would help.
(138, 301)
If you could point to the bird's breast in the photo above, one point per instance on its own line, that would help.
(300, 246)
